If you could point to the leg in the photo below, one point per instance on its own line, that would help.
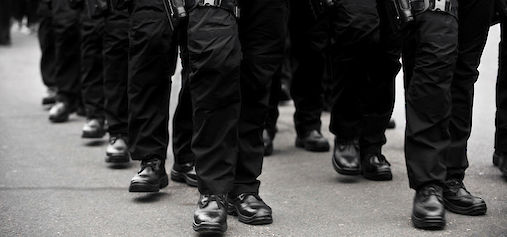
(474, 20)
(152, 53)
(67, 63)
(429, 67)
(214, 58)
(116, 44)
(92, 80)
(183, 168)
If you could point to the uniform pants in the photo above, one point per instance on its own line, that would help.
(67, 44)
(92, 78)
(152, 62)
(47, 44)
(501, 94)
(116, 43)
(306, 87)
(474, 22)
(227, 138)
(182, 120)
(5, 21)
(366, 61)
(429, 56)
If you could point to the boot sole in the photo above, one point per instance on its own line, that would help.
(93, 135)
(429, 223)
(110, 158)
(182, 178)
(475, 210)
(209, 228)
(263, 220)
(58, 119)
(301, 144)
(149, 188)
(380, 176)
(344, 171)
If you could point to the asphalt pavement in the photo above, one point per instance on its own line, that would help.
(54, 183)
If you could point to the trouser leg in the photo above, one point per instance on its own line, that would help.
(262, 32)
(5, 21)
(308, 65)
(152, 62)
(182, 120)
(377, 94)
(474, 21)
(116, 44)
(501, 94)
(429, 65)
(47, 45)
(67, 45)
(355, 28)
(274, 99)
(214, 54)
(92, 79)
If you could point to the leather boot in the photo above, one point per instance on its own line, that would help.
(117, 150)
(94, 128)
(151, 178)
(250, 209)
(184, 173)
(428, 211)
(60, 112)
(211, 214)
(458, 200)
(346, 159)
(313, 141)
(376, 167)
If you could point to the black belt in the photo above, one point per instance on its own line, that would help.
(229, 5)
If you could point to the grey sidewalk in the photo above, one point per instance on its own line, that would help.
(54, 183)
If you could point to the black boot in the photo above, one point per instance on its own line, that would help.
(60, 112)
(117, 149)
(346, 159)
(391, 124)
(376, 167)
(50, 98)
(184, 173)
(211, 214)
(250, 209)
(151, 178)
(313, 141)
(428, 211)
(94, 128)
(458, 200)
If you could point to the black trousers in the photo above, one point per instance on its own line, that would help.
(501, 93)
(429, 57)
(116, 44)
(227, 139)
(182, 120)
(152, 62)
(474, 22)
(5, 21)
(67, 44)
(282, 78)
(366, 62)
(308, 67)
(46, 38)
(92, 78)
